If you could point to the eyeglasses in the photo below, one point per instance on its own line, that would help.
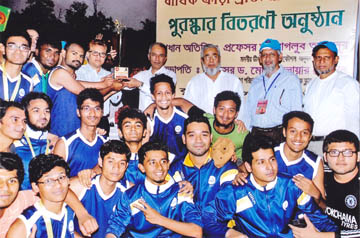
(13, 46)
(88, 109)
(345, 153)
(51, 181)
(208, 57)
(96, 53)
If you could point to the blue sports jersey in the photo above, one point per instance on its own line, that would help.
(206, 180)
(64, 119)
(165, 199)
(261, 211)
(34, 71)
(38, 140)
(133, 174)
(170, 132)
(306, 165)
(80, 153)
(99, 205)
(24, 88)
(35, 215)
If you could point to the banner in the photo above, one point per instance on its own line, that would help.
(238, 27)
(4, 16)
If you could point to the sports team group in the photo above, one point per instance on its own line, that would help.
(213, 163)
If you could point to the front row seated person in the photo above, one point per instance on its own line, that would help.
(266, 205)
(155, 207)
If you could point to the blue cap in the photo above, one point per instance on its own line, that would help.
(328, 44)
(271, 44)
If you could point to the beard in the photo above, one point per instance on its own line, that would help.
(268, 69)
(36, 128)
(211, 71)
(320, 72)
(225, 126)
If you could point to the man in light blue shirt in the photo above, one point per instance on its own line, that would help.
(272, 94)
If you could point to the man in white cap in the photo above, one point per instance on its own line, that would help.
(272, 94)
(332, 99)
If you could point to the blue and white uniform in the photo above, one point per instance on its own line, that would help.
(261, 211)
(165, 199)
(206, 180)
(307, 164)
(80, 153)
(62, 224)
(38, 77)
(133, 173)
(39, 144)
(99, 205)
(18, 87)
(170, 131)
(64, 119)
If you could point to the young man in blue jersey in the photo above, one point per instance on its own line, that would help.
(49, 176)
(12, 124)
(155, 208)
(46, 58)
(36, 139)
(106, 189)
(167, 125)
(81, 147)
(266, 205)
(198, 167)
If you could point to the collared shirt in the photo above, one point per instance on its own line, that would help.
(144, 76)
(201, 90)
(333, 103)
(284, 95)
(89, 74)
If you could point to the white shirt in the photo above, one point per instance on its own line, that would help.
(89, 74)
(333, 103)
(144, 76)
(201, 90)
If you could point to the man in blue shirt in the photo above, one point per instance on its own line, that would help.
(272, 94)
(155, 208)
(266, 205)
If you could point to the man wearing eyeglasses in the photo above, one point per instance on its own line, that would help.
(14, 84)
(332, 99)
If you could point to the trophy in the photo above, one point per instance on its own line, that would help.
(118, 70)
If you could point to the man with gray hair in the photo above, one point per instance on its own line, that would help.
(157, 56)
(202, 88)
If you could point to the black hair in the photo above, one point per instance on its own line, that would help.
(151, 146)
(10, 162)
(5, 105)
(90, 93)
(69, 43)
(159, 44)
(10, 32)
(228, 95)
(254, 143)
(316, 48)
(131, 113)
(339, 136)
(161, 78)
(196, 118)
(42, 164)
(117, 147)
(25, 101)
(54, 43)
(297, 114)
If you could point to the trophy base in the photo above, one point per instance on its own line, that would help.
(121, 72)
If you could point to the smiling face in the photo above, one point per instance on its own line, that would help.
(263, 166)
(298, 135)
(157, 57)
(270, 59)
(155, 166)
(163, 95)
(13, 124)
(14, 54)
(132, 130)
(197, 138)
(9, 187)
(225, 113)
(90, 113)
(113, 166)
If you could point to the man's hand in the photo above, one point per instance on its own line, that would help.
(88, 224)
(306, 185)
(234, 157)
(52, 141)
(309, 230)
(231, 233)
(241, 126)
(108, 80)
(132, 83)
(151, 215)
(240, 179)
(186, 187)
(149, 111)
(85, 177)
(100, 131)
(117, 85)
(99, 36)
(112, 53)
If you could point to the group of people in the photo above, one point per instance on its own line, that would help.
(212, 163)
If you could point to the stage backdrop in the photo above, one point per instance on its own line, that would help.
(239, 26)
